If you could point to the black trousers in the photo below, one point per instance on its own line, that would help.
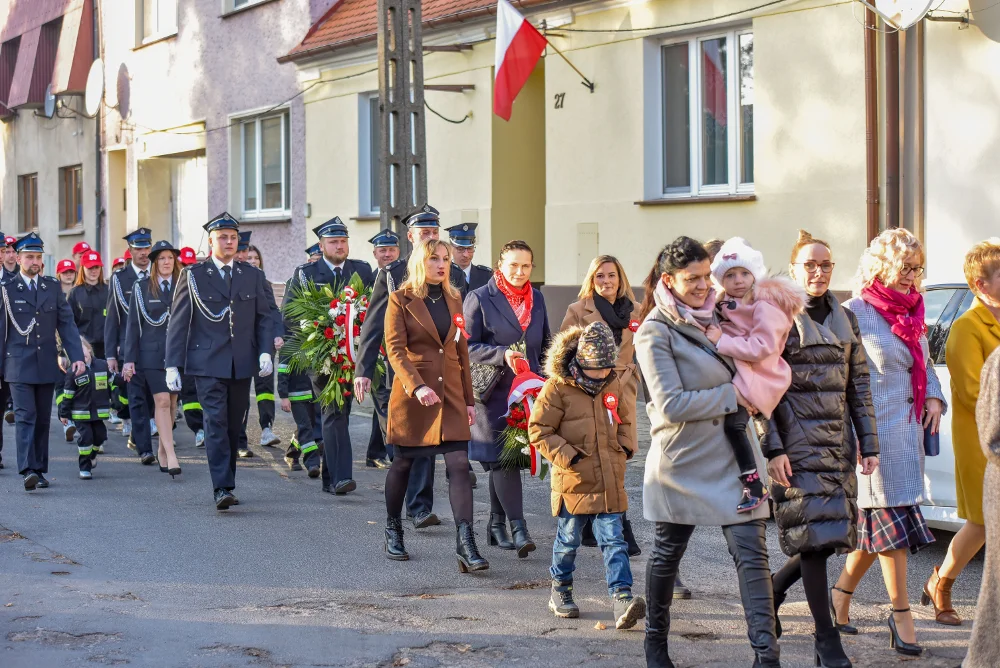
(88, 436)
(308, 433)
(748, 548)
(140, 409)
(376, 443)
(338, 457)
(190, 404)
(4, 403)
(224, 403)
(32, 417)
(420, 486)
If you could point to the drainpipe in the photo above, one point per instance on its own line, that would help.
(892, 129)
(871, 126)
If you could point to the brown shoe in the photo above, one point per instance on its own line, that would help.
(938, 591)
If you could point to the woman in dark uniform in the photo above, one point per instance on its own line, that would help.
(431, 406)
(88, 298)
(146, 344)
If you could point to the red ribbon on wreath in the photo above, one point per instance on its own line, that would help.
(633, 325)
(460, 324)
(611, 403)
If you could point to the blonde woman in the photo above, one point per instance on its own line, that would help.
(431, 406)
(907, 396)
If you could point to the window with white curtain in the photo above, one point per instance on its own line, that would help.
(264, 145)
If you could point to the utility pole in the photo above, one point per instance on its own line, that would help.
(403, 177)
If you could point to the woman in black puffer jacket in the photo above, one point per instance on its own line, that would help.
(812, 450)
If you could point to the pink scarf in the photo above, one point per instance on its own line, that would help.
(905, 315)
(669, 304)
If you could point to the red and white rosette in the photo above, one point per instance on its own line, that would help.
(459, 321)
(633, 325)
(611, 403)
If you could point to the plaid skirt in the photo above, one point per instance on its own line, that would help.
(884, 529)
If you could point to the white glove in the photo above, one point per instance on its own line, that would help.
(265, 365)
(173, 379)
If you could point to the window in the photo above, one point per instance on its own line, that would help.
(266, 165)
(156, 19)
(707, 115)
(71, 197)
(27, 203)
(370, 153)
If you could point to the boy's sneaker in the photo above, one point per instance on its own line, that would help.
(199, 439)
(561, 601)
(114, 419)
(628, 610)
(754, 493)
(268, 437)
(69, 431)
(98, 450)
(127, 428)
(9, 417)
(86, 475)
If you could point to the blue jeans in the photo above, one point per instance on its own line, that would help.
(608, 531)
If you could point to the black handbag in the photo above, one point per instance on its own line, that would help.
(485, 378)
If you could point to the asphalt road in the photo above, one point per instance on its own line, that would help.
(133, 568)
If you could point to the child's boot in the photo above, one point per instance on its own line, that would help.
(754, 493)
(561, 601)
(628, 610)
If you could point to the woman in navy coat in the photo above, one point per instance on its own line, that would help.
(501, 313)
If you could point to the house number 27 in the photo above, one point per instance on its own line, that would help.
(560, 99)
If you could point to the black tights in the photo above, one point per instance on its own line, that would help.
(810, 567)
(505, 493)
(459, 485)
(735, 427)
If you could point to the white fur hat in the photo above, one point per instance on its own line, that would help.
(736, 252)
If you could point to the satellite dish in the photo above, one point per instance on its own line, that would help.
(95, 88)
(50, 102)
(122, 88)
(901, 14)
(987, 21)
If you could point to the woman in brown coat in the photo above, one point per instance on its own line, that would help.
(431, 405)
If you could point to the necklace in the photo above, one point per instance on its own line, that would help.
(434, 301)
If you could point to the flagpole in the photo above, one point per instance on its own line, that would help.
(586, 82)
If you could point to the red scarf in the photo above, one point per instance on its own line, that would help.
(520, 299)
(905, 315)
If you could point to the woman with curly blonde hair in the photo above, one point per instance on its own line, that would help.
(907, 396)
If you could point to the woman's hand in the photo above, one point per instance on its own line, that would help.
(868, 465)
(714, 333)
(742, 401)
(471, 410)
(426, 396)
(128, 371)
(286, 405)
(510, 356)
(933, 410)
(780, 470)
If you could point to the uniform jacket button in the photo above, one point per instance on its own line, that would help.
(910, 400)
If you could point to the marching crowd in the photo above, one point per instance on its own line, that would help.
(741, 373)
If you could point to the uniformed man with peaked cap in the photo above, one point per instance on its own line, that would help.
(463, 238)
(386, 251)
(122, 281)
(221, 332)
(34, 309)
(421, 225)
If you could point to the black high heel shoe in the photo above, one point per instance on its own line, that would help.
(522, 539)
(896, 643)
(163, 469)
(174, 472)
(843, 628)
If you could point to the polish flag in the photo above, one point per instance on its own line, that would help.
(519, 46)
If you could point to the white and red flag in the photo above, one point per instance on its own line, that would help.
(519, 46)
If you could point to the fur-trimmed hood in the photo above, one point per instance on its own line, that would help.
(782, 293)
(561, 351)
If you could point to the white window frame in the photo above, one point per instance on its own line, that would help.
(366, 207)
(230, 6)
(734, 148)
(141, 37)
(283, 211)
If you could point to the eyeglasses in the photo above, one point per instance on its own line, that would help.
(907, 270)
(811, 267)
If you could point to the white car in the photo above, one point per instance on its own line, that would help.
(944, 303)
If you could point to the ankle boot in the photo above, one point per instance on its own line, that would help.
(657, 655)
(498, 532)
(938, 591)
(522, 539)
(633, 547)
(394, 548)
(779, 598)
(829, 650)
(467, 551)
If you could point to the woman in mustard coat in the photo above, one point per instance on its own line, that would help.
(973, 337)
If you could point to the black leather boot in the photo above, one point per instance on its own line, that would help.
(522, 539)
(394, 548)
(779, 598)
(829, 651)
(467, 551)
(656, 652)
(633, 547)
(498, 532)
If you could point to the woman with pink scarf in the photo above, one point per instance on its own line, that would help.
(907, 395)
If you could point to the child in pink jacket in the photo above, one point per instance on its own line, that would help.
(756, 313)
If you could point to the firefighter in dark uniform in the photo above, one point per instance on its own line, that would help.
(334, 269)
(463, 238)
(190, 405)
(87, 402)
(119, 296)
(34, 310)
(88, 299)
(421, 225)
(386, 251)
(221, 332)
(9, 269)
(263, 387)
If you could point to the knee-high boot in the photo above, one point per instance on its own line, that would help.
(661, 574)
(748, 547)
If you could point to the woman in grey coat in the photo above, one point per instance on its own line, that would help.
(691, 471)
(984, 646)
(907, 398)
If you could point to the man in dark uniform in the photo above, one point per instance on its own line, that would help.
(335, 270)
(463, 238)
(221, 332)
(386, 251)
(422, 225)
(314, 252)
(190, 405)
(34, 310)
(9, 269)
(119, 294)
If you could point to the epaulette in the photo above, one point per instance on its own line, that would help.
(50, 279)
(483, 267)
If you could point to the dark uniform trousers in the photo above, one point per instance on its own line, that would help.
(140, 405)
(4, 404)
(225, 402)
(308, 433)
(264, 389)
(88, 436)
(32, 417)
(190, 405)
(337, 452)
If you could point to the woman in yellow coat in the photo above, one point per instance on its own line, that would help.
(973, 337)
